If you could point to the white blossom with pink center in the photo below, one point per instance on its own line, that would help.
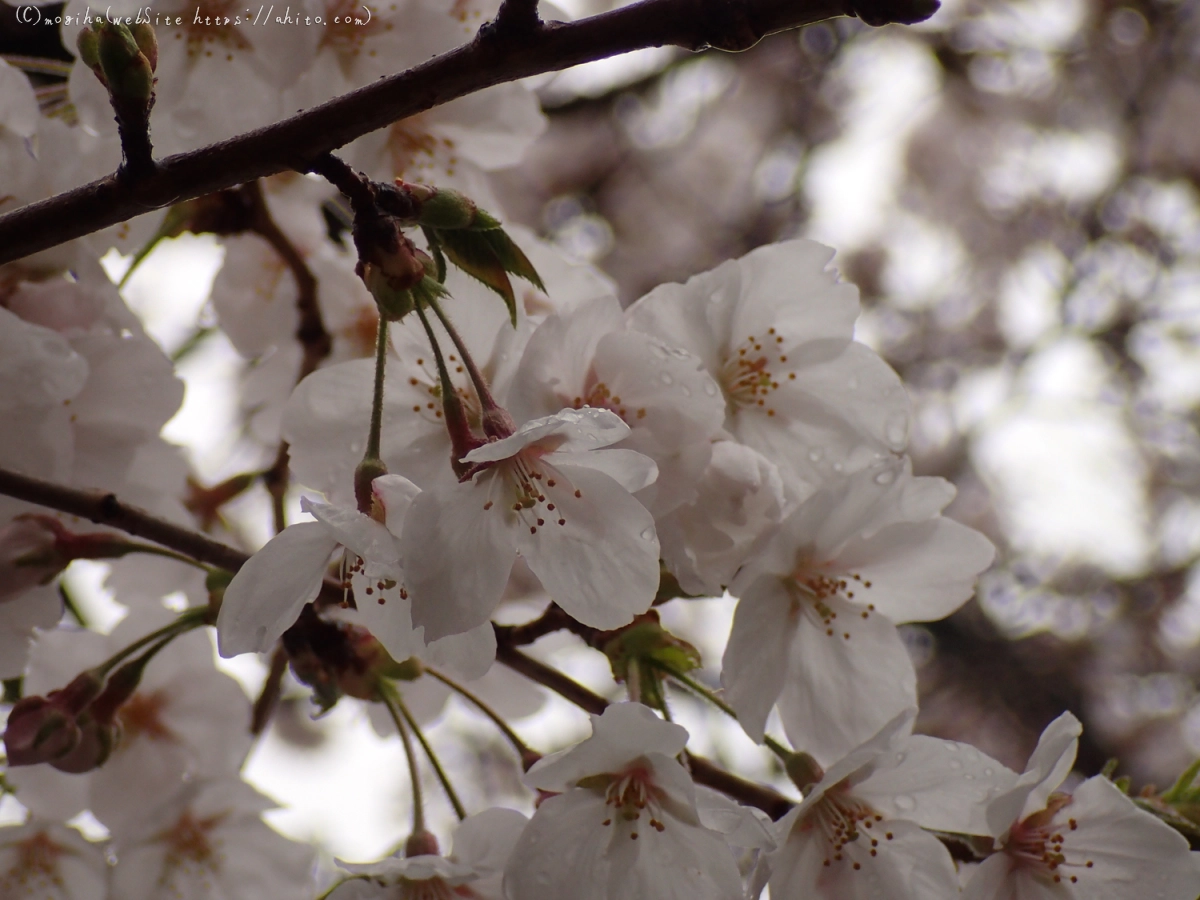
(774, 329)
(859, 834)
(815, 629)
(210, 841)
(739, 500)
(586, 356)
(482, 846)
(625, 824)
(451, 145)
(1090, 843)
(554, 493)
(48, 861)
(268, 592)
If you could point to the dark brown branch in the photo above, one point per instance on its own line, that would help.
(703, 771)
(492, 58)
(105, 509)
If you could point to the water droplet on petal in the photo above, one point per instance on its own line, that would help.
(648, 534)
(687, 391)
(955, 764)
(665, 378)
(905, 803)
(896, 430)
(885, 477)
(710, 389)
(815, 455)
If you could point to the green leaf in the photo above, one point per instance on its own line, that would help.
(435, 250)
(474, 254)
(513, 258)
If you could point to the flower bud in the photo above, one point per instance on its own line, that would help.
(88, 45)
(147, 41)
(128, 72)
(421, 843)
(803, 770)
(442, 207)
(38, 731)
(96, 742)
(29, 556)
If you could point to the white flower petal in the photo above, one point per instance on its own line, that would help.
(571, 430)
(1049, 764)
(755, 664)
(362, 534)
(268, 592)
(926, 570)
(458, 556)
(841, 690)
(601, 563)
(941, 785)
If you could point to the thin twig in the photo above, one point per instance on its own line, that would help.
(492, 58)
(105, 509)
(703, 771)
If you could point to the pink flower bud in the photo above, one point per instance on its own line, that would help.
(43, 729)
(38, 731)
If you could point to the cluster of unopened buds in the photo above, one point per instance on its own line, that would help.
(518, 448)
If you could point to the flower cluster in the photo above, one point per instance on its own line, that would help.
(476, 459)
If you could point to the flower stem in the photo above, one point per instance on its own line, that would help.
(186, 622)
(381, 345)
(461, 439)
(697, 688)
(459, 809)
(528, 756)
(493, 413)
(391, 700)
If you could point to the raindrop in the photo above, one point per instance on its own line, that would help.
(905, 803)
(648, 534)
(710, 389)
(687, 391)
(955, 764)
(885, 477)
(815, 455)
(989, 772)
(896, 429)
(666, 378)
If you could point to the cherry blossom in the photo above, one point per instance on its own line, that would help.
(1092, 842)
(739, 499)
(48, 861)
(266, 595)
(858, 832)
(208, 841)
(483, 844)
(556, 495)
(626, 824)
(587, 357)
(185, 720)
(815, 627)
(774, 330)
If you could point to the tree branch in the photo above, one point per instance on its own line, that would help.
(703, 771)
(105, 509)
(497, 55)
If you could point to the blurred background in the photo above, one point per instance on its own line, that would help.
(1014, 188)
